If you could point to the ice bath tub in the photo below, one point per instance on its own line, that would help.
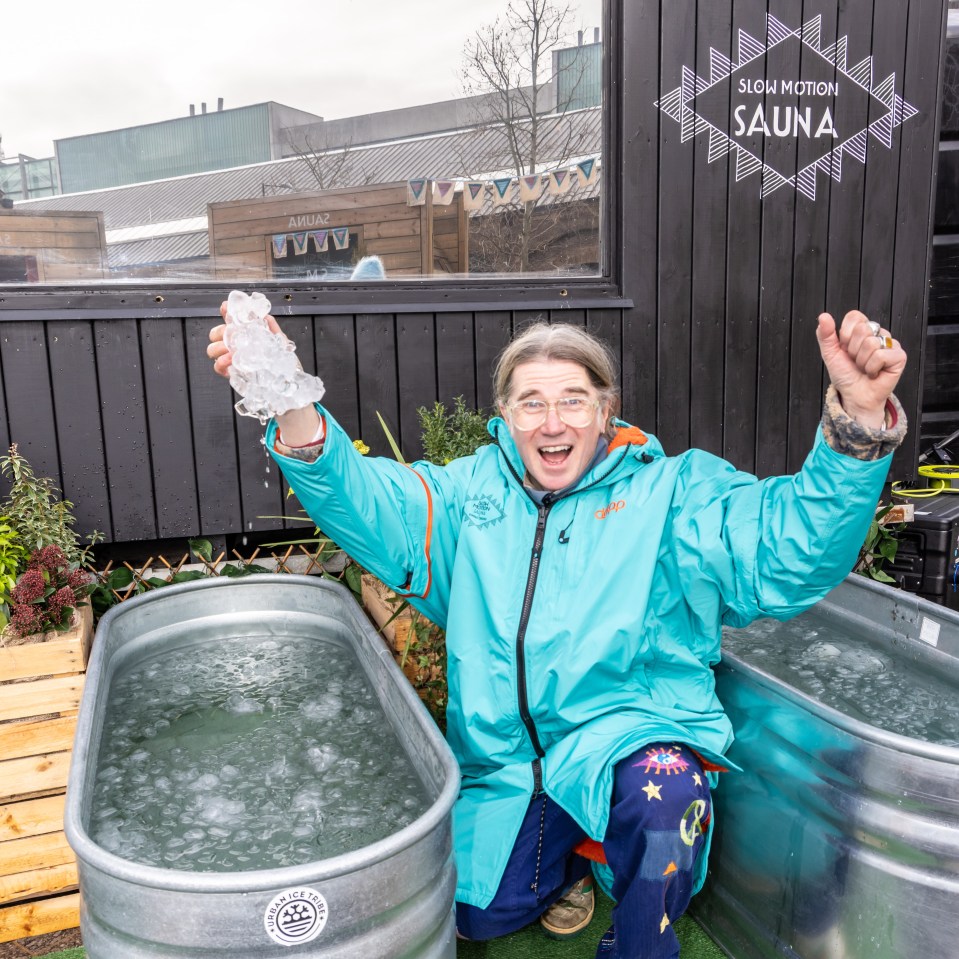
(391, 898)
(841, 839)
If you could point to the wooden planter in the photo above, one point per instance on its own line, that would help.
(422, 658)
(41, 681)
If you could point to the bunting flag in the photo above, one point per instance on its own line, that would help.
(474, 193)
(502, 190)
(320, 240)
(300, 241)
(587, 170)
(443, 191)
(341, 237)
(559, 181)
(531, 188)
(416, 191)
(279, 246)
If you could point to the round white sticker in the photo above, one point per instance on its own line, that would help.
(295, 915)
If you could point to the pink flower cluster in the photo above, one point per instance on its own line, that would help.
(47, 592)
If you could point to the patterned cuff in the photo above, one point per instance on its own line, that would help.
(847, 436)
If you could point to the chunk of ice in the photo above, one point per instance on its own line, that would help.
(265, 371)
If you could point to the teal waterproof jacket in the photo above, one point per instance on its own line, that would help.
(582, 629)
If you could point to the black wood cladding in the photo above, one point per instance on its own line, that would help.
(717, 342)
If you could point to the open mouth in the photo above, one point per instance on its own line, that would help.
(555, 455)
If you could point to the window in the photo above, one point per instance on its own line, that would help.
(389, 124)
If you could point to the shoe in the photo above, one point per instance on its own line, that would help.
(572, 912)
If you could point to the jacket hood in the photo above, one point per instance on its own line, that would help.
(630, 449)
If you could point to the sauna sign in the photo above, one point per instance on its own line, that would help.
(788, 109)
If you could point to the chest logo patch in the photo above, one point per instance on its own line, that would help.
(482, 511)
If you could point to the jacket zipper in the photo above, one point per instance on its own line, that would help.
(522, 694)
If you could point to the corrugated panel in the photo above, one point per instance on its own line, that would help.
(160, 249)
(462, 153)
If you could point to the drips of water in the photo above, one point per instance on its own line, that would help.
(861, 677)
(246, 754)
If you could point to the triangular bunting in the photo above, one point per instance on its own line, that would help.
(806, 182)
(443, 191)
(320, 238)
(299, 243)
(341, 237)
(749, 48)
(861, 73)
(885, 92)
(719, 144)
(416, 191)
(502, 190)
(587, 170)
(474, 193)
(531, 188)
(837, 53)
(746, 164)
(856, 146)
(776, 31)
(720, 66)
(692, 124)
(831, 164)
(881, 129)
(559, 181)
(279, 246)
(812, 32)
(672, 103)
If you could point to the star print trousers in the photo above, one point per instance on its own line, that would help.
(660, 809)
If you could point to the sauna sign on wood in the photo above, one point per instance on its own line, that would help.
(789, 108)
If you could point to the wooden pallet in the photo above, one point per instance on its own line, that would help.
(41, 682)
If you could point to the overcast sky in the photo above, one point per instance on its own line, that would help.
(71, 68)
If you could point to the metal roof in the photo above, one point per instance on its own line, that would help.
(144, 220)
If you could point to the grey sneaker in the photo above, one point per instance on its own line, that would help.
(572, 912)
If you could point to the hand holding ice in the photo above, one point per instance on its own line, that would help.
(265, 370)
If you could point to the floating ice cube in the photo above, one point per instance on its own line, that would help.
(265, 371)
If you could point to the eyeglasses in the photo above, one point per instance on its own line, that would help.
(574, 411)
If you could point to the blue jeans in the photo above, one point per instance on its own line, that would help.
(660, 807)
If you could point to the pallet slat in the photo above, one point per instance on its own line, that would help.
(43, 697)
(40, 917)
(52, 658)
(31, 817)
(18, 740)
(33, 774)
(38, 882)
(34, 852)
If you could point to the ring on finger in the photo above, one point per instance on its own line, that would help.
(885, 341)
(874, 327)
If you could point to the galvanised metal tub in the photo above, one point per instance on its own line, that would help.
(392, 898)
(839, 839)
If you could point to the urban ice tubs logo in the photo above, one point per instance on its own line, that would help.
(788, 108)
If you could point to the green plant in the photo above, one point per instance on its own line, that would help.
(448, 435)
(38, 513)
(880, 547)
(47, 593)
(12, 558)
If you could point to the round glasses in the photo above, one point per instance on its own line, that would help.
(574, 411)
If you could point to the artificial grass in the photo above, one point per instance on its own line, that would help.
(531, 943)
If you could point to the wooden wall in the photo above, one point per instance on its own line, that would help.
(710, 298)
(68, 246)
(410, 240)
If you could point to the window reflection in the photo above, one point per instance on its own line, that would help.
(502, 176)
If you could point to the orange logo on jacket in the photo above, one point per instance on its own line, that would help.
(612, 508)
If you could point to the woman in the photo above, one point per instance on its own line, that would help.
(583, 578)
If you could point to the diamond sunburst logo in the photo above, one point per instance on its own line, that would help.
(787, 109)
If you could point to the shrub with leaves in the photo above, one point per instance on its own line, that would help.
(880, 547)
(448, 435)
(47, 593)
(12, 558)
(36, 510)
